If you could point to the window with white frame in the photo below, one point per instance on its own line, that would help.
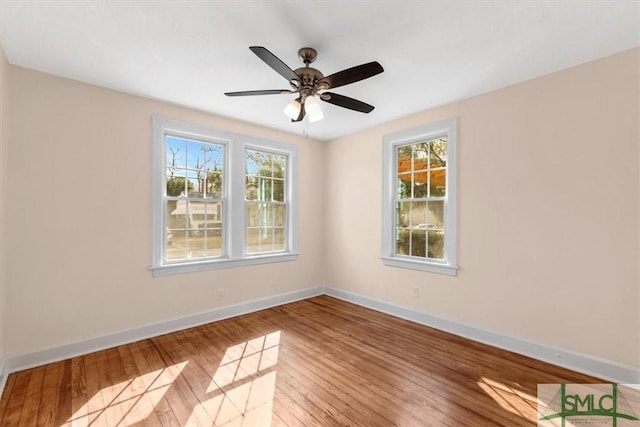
(219, 199)
(266, 202)
(419, 193)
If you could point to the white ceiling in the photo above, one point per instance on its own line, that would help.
(191, 52)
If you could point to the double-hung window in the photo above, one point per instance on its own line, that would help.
(220, 199)
(266, 202)
(419, 192)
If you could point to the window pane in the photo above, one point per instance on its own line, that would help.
(214, 242)
(279, 239)
(176, 214)
(212, 217)
(418, 214)
(438, 153)
(438, 181)
(175, 185)
(196, 252)
(175, 245)
(405, 163)
(263, 215)
(404, 185)
(435, 215)
(404, 154)
(267, 215)
(436, 244)
(214, 183)
(420, 156)
(403, 212)
(251, 188)
(266, 239)
(264, 189)
(176, 153)
(213, 157)
(278, 190)
(193, 184)
(195, 155)
(420, 185)
(418, 242)
(252, 163)
(279, 166)
(279, 215)
(259, 214)
(252, 215)
(196, 216)
(252, 243)
(196, 244)
(264, 161)
(402, 241)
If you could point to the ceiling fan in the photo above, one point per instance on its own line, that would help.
(310, 84)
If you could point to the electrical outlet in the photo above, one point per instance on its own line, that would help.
(220, 294)
(415, 293)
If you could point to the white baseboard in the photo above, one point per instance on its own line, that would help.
(3, 377)
(590, 365)
(600, 368)
(55, 354)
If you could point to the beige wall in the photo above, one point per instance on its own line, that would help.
(548, 212)
(77, 266)
(4, 152)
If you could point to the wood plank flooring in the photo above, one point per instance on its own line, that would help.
(318, 362)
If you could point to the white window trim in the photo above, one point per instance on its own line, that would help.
(446, 127)
(234, 190)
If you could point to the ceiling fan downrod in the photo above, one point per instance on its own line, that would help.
(309, 76)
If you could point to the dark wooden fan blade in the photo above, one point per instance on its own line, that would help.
(258, 92)
(352, 75)
(274, 62)
(346, 102)
(302, 112)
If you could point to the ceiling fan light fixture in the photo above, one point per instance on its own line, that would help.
(293, 109)
(312, 107)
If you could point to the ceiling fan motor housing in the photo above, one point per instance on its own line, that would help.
(308, 76)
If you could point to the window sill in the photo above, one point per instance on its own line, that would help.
(431, 267)
(190, 267)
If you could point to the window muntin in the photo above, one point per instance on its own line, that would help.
(419, 198)
(193, 199)
(265, 201)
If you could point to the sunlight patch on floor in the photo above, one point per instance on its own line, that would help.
(246, 383)
(126, 403)
(248, 358)
(509, 398)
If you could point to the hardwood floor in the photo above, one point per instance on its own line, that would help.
(318, 362)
